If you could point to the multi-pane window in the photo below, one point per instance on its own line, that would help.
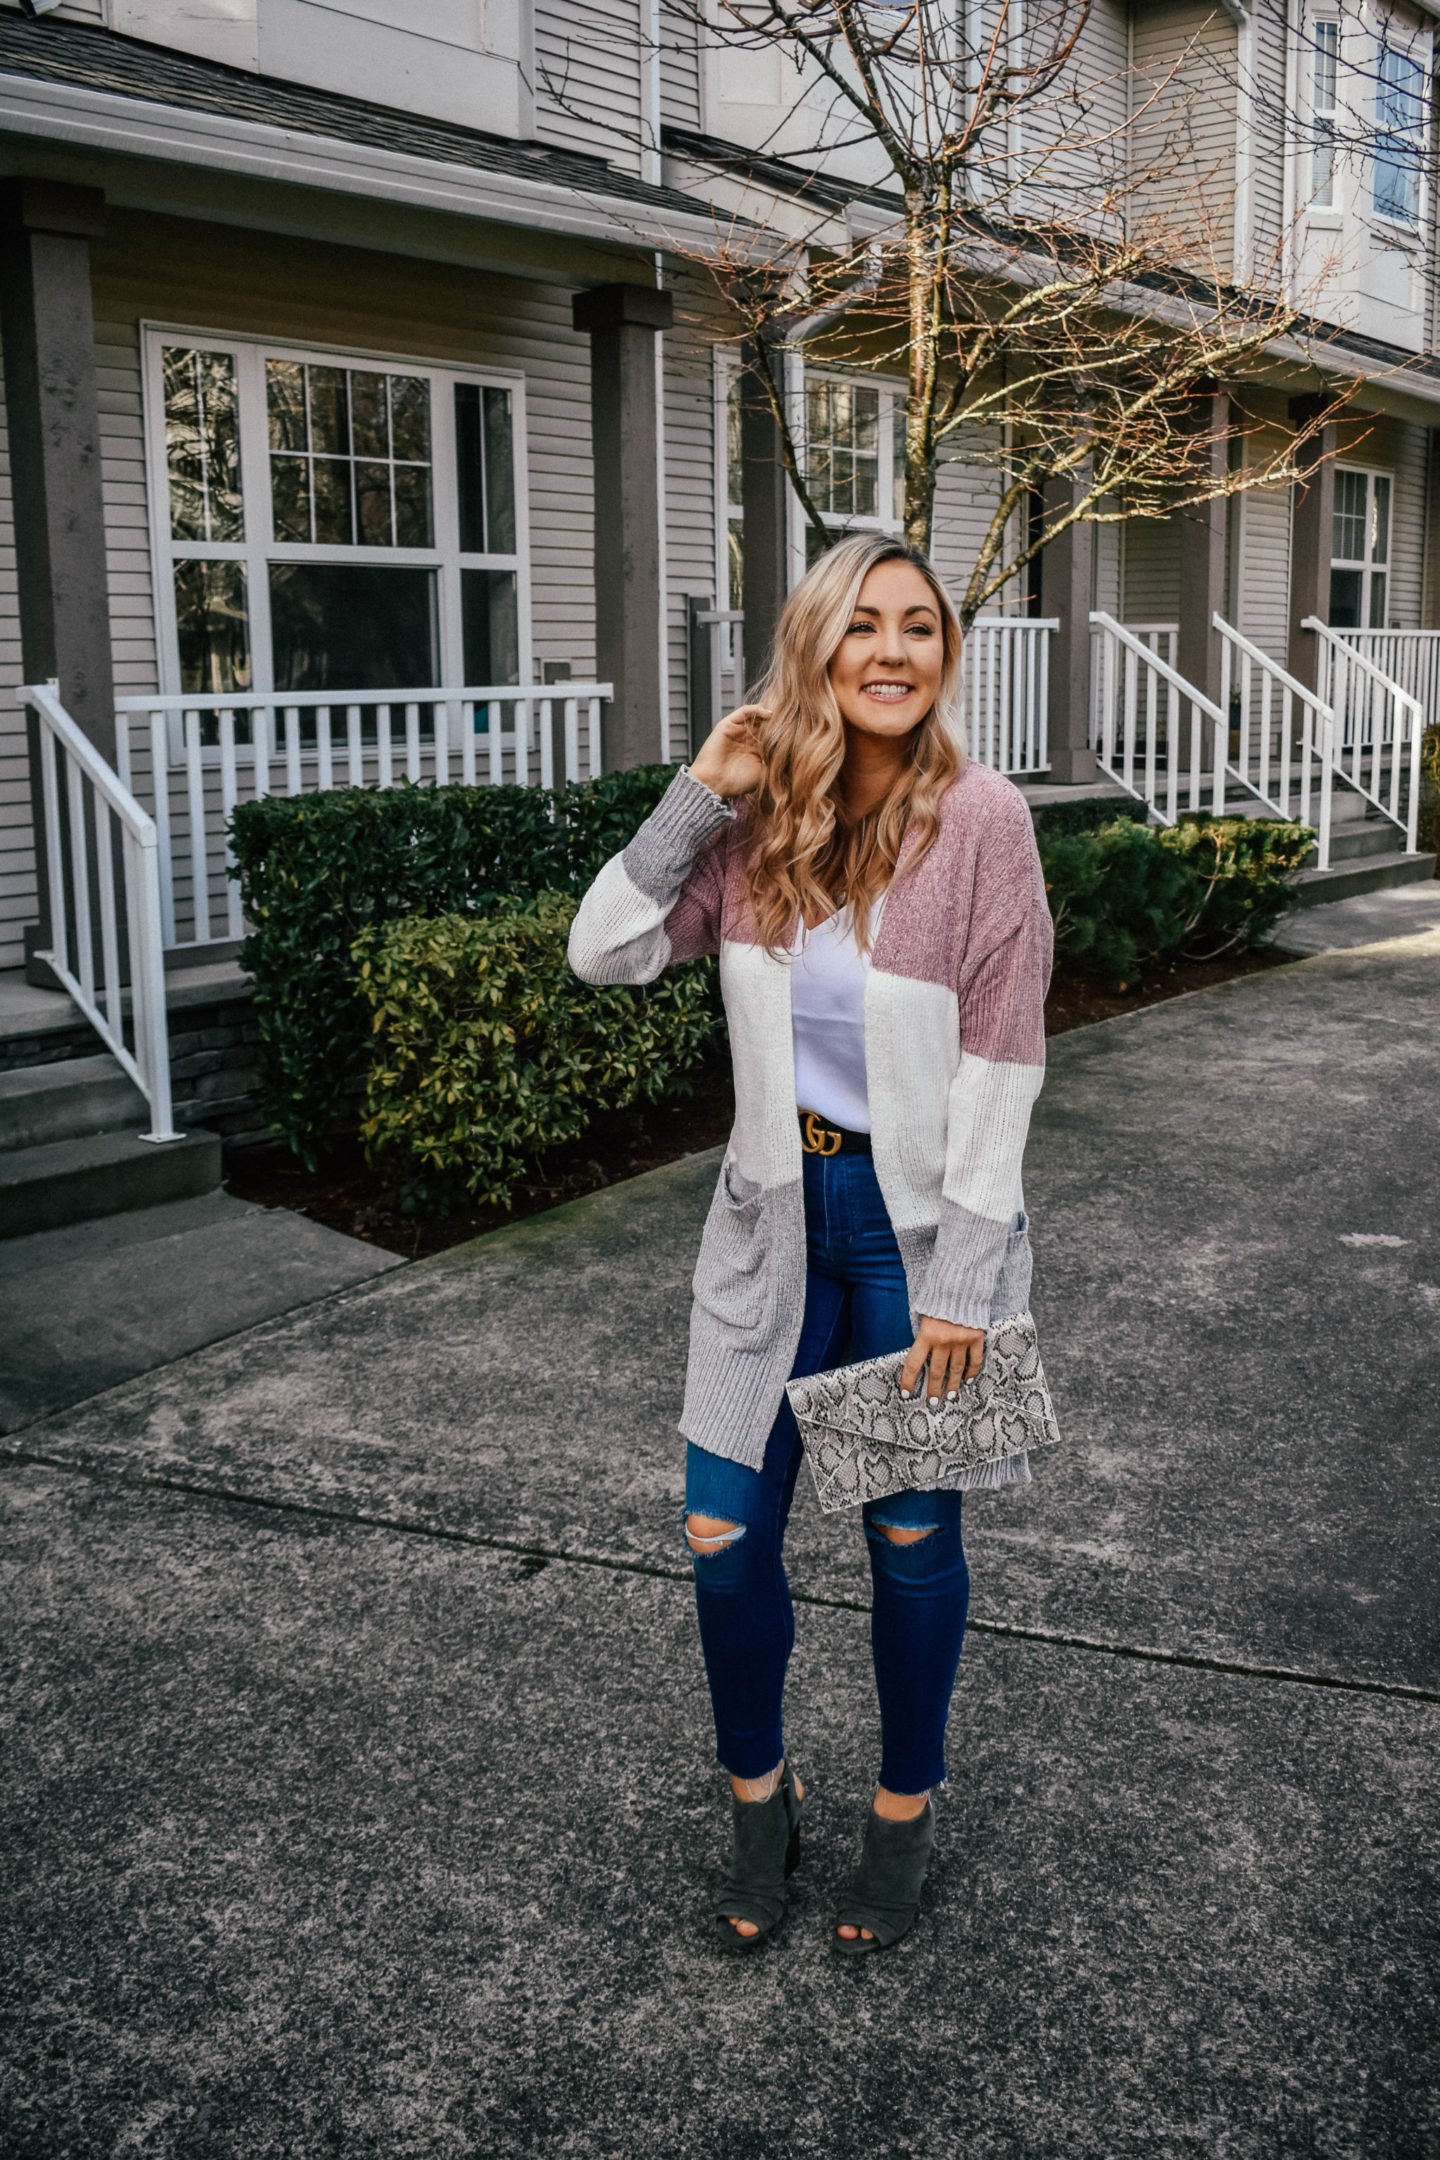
(1360, 551)
(336, 525)
(1324, 90)
(1399, 135)
(851, 438)
(842, 445)
(350, 461)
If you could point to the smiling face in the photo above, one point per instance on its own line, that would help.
(886, 670)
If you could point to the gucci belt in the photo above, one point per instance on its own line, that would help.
(817, 1137)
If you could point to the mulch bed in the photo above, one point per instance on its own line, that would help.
(347, 1195)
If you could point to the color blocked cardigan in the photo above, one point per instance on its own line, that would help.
(954, 1057)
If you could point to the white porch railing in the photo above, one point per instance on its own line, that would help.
(1379, 728)
(1005, 680)
(1409, 658)
(105, 919)
(194, 759)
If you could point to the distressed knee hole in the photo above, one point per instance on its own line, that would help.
(904, 1533)
(710, 1534)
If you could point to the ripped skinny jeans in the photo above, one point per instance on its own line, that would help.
(856, 1306)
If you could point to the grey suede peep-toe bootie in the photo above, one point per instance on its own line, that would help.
(884, 1892)
(764, 1856)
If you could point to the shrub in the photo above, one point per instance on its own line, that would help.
(316, 870)
(1427, 823)
(1128, 895)
(1246, 867)
(1054, 819)
(1118, 897)
(487, 1048)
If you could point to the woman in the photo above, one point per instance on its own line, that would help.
(884, 941)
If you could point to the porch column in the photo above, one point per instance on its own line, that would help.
(47, 327)
(765, 502)
(52, 411)
(622, 321)
(1430, 602)
(1202, 555)
(1066, 589)
(1312, 544)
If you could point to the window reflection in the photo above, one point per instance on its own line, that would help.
(491, 623)
(349, 456)
(202, 445)
(212, 620)
(485, 471)
(352, 626)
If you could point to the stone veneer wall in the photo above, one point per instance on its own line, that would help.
(213, 1063)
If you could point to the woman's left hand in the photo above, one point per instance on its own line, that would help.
(952, 1353)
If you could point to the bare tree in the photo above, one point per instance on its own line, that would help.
(1047, 262)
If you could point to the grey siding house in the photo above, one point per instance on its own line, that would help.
(367, 416)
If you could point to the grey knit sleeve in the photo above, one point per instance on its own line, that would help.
(659, 899)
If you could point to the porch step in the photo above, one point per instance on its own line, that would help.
(66, 1101)
(1367, 873)
(74, 1180)
(1361, 839)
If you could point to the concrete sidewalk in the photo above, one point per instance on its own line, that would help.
(358, 1768)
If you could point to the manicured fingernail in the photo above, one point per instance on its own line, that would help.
(951, 1393)
(934, 1402)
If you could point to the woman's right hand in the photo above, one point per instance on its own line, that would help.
(730, 762)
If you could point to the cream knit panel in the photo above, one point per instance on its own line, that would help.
(989, 1121)
(619, 934)
(912, 1052)
(756, 988)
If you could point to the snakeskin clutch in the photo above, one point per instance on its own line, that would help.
(864, 1439)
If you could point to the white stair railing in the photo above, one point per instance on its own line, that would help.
(1169, 744)
(105, 918)
(195, 758)
(1160, 736)
(1159, 638)
(1005, 681)
(1284, 734)
(1379, 729)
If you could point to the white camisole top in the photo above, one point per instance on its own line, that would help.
(827, 1004)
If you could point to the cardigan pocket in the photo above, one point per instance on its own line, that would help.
(1012, 1285)
(731, 1276)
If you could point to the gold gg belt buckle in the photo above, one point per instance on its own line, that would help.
(818, 1139)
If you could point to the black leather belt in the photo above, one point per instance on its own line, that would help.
(817, 1137)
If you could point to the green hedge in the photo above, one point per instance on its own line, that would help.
(317, 870)
(1129, 895)
(487, 1048)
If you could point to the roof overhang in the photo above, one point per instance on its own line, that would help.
(67, 114)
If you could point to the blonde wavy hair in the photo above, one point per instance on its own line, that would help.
(809, 857)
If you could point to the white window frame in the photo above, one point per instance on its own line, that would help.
(891, 515)
(1367, 566)
(885, 519)
(258, 549)
(1324, 119)
(727, 369)
(1420, 61)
